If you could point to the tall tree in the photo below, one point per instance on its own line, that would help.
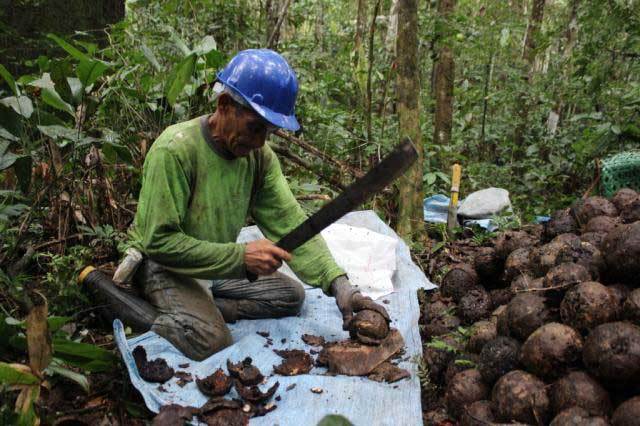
(358, 48)
(369, 94)
(410, 219)
(529, 57)
(570, 35)
(392, 29)
(444, 75)
(276, 12)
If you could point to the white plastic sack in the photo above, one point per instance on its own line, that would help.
(368, 258)
(484, 203)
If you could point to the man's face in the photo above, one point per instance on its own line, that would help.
(245, 130)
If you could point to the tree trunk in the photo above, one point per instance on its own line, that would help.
(368, 99)
(319, 27)
(529, 56)
(272, 12)
(410, 220)
(392, 29)
(485, 102)
(537, 12)
(360, 66)
(272, 42)
(444, 77)
(358, 47)
(570, 35)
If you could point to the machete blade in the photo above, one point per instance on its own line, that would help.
(389, 169)
(376, 179)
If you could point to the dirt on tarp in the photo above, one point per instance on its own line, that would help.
(157, 371)
(296, 361)
(388, 372)
(183, 378)
(312, 340)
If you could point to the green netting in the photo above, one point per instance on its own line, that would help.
(620, 171)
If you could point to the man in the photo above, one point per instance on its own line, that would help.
(201, 180)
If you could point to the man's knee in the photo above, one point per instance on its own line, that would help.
(295, 295)
(195, 339)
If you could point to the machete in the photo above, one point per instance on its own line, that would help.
(391, 167)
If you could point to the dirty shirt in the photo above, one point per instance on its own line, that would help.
(195, 199)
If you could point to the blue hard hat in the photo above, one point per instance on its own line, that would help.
(266, 82)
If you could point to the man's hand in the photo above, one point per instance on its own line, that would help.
(350, 301)
(263, 257)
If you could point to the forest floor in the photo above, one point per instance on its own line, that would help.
(435, 267)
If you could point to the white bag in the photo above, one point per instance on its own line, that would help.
(368, 258)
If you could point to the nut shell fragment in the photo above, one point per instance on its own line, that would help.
(156, 371)
(217, 384)
(245, 371)
(296, 361)
(253, 394)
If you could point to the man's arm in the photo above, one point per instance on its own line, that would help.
(162, 206)
(277, 212)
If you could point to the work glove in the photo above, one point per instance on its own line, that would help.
(350, 300)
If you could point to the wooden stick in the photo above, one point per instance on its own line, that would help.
(315, 151)
(285, 152)
(452, 219)
(323, 197)
(596, 179)
(58, 241)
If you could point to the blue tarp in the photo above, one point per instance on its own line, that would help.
(362, 401)
(435, 210)
(436, 207)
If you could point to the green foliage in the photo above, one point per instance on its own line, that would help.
(334, 420)
(465, 363)
(9, 375)
(436, 343)
(66, 352)
(60, 279)
(481, 235)
(49, 95)
(423, 374)
(179, 77)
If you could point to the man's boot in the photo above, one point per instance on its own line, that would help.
(131, 310)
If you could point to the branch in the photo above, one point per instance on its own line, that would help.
(285, 152)
(315, 151)
(276, 29)
(58, 241)
(308, 197)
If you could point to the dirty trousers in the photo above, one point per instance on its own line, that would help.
(192, 316)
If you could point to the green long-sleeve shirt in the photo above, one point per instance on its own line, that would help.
(194, 201)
